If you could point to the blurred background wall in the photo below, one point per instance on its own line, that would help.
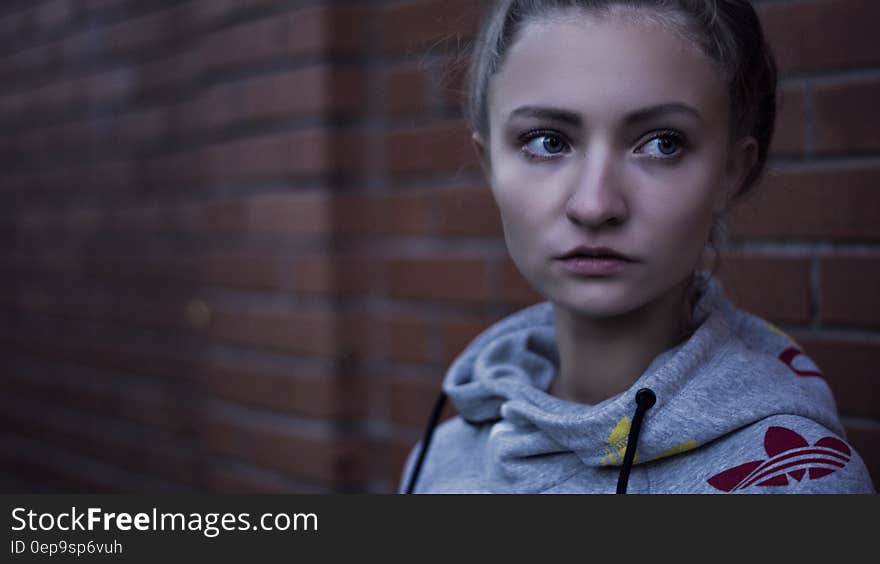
(241, 240)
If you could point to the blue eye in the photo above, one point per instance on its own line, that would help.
(548, 141)
(547, 145)
(668, 144)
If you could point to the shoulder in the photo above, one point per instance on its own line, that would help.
(787, 454)
(454, 451)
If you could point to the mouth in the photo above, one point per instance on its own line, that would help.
(584, 252)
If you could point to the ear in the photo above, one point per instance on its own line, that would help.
(741, 159)
(482, 151)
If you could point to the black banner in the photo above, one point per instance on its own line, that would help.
(287, 528)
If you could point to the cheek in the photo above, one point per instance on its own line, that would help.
(681, 220)
(522, 203)
(518, 216)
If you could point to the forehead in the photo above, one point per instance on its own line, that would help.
(605, 67)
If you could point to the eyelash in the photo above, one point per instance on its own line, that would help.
(527, 137)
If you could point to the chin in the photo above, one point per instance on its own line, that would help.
(597, 302)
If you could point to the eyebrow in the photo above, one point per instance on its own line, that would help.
(571, 118)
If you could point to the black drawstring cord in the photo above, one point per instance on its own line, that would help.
(435, 416)
(645, 399)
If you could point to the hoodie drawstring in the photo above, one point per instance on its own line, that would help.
(435, 417)
(645, 399)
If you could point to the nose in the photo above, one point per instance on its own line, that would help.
(597, 197)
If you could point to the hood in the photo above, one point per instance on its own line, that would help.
(734, 370)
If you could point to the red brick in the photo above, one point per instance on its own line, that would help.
(429, 149)
(775, 287)
(407, 339)
(337, 29)
(60, 94)
(850, 290)
(307, 152)
(314, 274)
(845, 26)
(107, 86)
(145, 269)
(345, 151)
(135, 449)
(253, 42)
(165, 73)
(146, 126)
(158, 314)
(28, 61)
(206, 12)
(513, 287)
(53, 15)
(456, 279)
(790, 134)
(210, 109)
(847, 117)
(850, 367)
(331, 274)
(468, 212)
(413, 400)
(51, 264)
(92, 393)
(357, 337)
(14, 104)
(96, 5)
(458, 334)
(406, 89)
(418, 24)
(144, 32)
(297, 333)
(302, 213)
(222, 216)
(273, 445)
(405, 214)
(313, 90)
(52, 468)
(13, 23)
(77, 46)
(169, 172)
(836, 204)
(310, 392)
(346, 29)
(357, 214)
(112, 352)
(241, 479)
(308, 389)
(246, 270)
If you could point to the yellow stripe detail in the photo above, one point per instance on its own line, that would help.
(677, 449)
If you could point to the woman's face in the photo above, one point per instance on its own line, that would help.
(580, 155)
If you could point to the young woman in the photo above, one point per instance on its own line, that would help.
(614, 136)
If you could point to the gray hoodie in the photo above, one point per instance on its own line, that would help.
(739, 408)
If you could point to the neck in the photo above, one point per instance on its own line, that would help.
(602, 357)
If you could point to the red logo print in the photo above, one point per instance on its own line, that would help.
(788, 355)
(791, 456)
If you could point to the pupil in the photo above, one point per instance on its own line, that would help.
(667, 144)
(551, 144)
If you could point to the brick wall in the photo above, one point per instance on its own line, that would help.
(241, 240)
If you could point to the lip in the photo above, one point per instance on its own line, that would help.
(594, 261)
(594, 266)
(583, 251)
